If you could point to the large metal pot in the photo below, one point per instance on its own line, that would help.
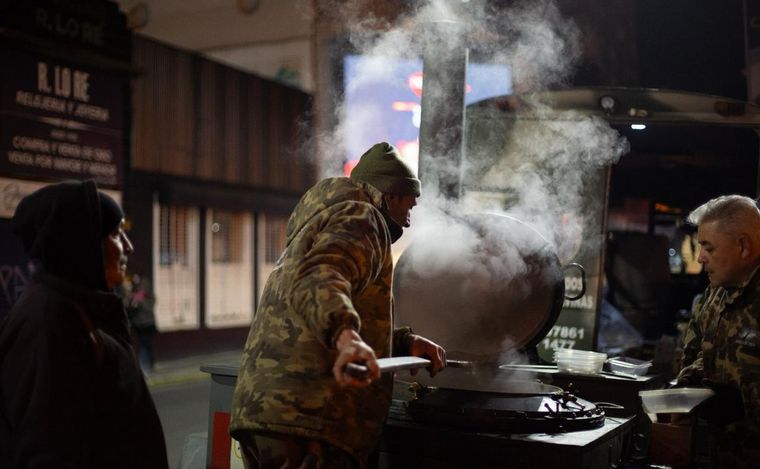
(484, 290)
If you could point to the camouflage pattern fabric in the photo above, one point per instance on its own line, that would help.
(335, 273)
(290, 452)
(722, 349)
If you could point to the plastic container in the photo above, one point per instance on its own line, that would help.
(574, 366)
(674, 401)
(631, 366)
(580, 354)
(579, 361)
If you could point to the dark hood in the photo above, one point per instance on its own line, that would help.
(60, 227)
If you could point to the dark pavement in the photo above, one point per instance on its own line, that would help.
(181, 393)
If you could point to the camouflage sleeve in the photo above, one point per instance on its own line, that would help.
(750, 391)
(691, 360)
(347, 253)
(692, 341)
(747, 342)
(401, 341)
(692, 374)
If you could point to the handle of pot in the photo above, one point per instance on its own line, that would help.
(583, 280)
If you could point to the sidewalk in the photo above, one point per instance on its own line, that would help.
(188, 369)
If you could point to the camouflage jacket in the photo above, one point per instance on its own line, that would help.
(335, 273)
(722, 343)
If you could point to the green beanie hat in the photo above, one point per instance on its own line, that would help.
(382, 167)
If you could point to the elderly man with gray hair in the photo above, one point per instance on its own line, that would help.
(722, 344)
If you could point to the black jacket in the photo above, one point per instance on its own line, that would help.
(71, 392)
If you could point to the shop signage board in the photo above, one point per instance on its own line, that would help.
(95, 25)
(60, 120)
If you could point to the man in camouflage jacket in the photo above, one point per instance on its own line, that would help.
(328, 302)
(722, 342)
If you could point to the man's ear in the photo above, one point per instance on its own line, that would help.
(389, 199)
(747, 246)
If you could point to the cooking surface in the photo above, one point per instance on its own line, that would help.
(476, 403)
(400, 418)
(410, 443)
(516, 413)
(537, 379)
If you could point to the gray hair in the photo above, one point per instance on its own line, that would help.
(734, 211)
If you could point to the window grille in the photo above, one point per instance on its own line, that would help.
(274, 235)
(173, 244)
(226, 237)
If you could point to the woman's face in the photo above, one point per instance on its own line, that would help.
(116, 248)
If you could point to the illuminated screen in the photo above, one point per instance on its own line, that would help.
(382, 101)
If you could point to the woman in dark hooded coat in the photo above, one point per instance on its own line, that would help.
(71, 392)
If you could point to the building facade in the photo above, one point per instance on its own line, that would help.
(207, 160)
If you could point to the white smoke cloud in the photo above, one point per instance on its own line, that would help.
(547, 163)
(534, 167)
(544, 45)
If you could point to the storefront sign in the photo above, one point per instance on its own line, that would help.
(59, 120)
(92, 24)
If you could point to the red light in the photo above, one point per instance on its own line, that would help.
(349, 166)
(415, 83)
(404, 106)
(410, 150)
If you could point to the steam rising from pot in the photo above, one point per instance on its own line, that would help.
(534, 167)
(542, 165)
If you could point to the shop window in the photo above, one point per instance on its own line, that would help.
(173, 238)
(227, 237)
(176, 267)
(275, 228)
(272, 232)
(229, 269)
